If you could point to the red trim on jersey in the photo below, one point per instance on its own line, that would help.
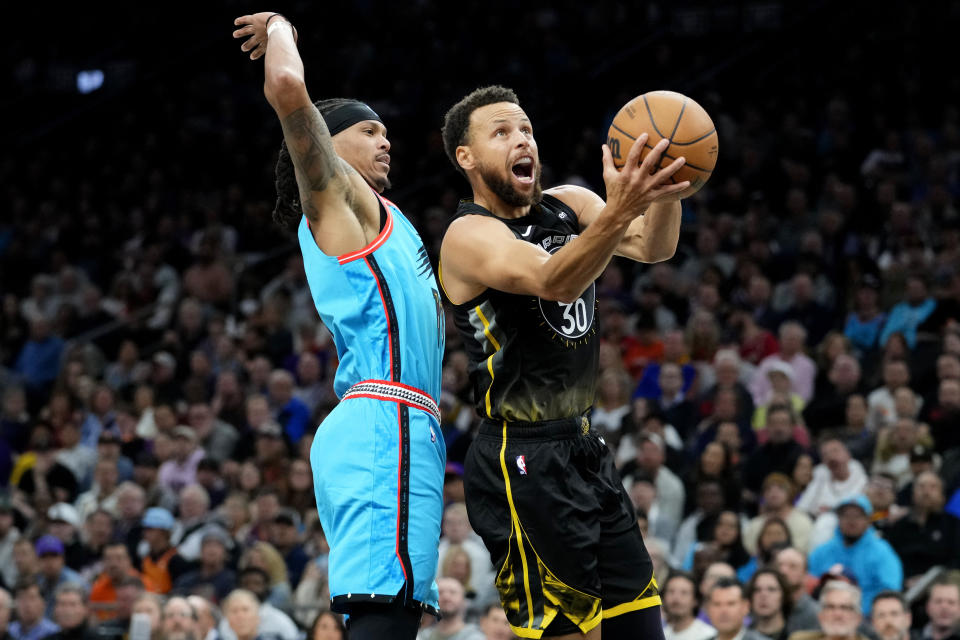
(377, 242)
(386, 312)
(399, 497)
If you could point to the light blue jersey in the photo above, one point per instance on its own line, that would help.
(378, 459)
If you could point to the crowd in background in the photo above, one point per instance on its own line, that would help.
(782, 396)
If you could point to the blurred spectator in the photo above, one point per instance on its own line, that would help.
(792, 565)
(271, 621)
(53, 570)
(213, 571)
(117, 614)
(79, 458)
(721, 541)
(241, 619)
(907, 317)
(612, 405)
(866, 319)
(209, 477)
(150, 605)
(128, 369)
(196, 520)
(651, 454)
(452, 610)
(97, 532)
(792, 339)
(9, 534)
(770, 603)
(208, 617)
(777, 502)
(285, 538)
(926, 536)
(890, 616)
(828, 408)
(840, 614)
(680, 609)
(179, 620)
(103, 491)
(944, 416)
(118, 571)
(780, 375)
(31, 623)
(161, 564)
(38, 475)
(493, 624)
(943, 611)
(881, 405)
(39, 360)
(894, 446)
(857, 547)
(217, 437)
(181, 470)
(778, 454)
(674, 350)
(265, 557)
(71, 612)
(14, 421)
(836, 479)
(100, 417)
(709, 503)
(727, 607)
(288, 410)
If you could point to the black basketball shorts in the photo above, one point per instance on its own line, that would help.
(548, 502)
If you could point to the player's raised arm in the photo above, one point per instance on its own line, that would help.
(480, 252)
(654, 230)
(334, 199)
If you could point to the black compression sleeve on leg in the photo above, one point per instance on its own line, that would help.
(645, 624)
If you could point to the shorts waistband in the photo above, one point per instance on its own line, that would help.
(394, 392)
(572, 427)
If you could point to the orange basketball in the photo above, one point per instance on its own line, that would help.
(671, 115)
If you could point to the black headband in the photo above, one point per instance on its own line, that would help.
(348, 115)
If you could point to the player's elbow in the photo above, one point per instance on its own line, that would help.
(284, 89)
(662, 254)
(561, 292)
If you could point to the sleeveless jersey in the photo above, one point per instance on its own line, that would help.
(531, 359)
(382, 305)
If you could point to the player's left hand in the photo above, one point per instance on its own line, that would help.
(255, 26)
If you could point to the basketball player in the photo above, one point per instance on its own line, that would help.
(378, 459)
(519, 265)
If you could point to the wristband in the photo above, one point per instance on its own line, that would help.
(276, 25)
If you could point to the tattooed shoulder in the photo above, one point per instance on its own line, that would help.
(311, 150)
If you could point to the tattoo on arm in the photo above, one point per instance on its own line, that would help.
(311, 151)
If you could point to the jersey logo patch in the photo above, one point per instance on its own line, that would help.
(522, 465)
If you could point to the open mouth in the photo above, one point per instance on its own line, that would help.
(523, 170)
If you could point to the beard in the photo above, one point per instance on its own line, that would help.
(838, 630)
(381, 183)
(505, 190)
(180, 635)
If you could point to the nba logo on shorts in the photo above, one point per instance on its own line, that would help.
(522, 465)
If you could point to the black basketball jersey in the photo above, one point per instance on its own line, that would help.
(531, 359)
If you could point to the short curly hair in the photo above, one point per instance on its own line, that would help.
(456, 122)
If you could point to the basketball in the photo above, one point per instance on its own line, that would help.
(671, 115)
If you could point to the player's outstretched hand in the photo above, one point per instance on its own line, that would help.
(633, 188)
(254, 29)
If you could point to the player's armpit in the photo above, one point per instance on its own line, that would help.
(480, 253)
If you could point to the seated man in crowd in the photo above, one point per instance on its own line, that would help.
(859, 550)
(840, 614)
